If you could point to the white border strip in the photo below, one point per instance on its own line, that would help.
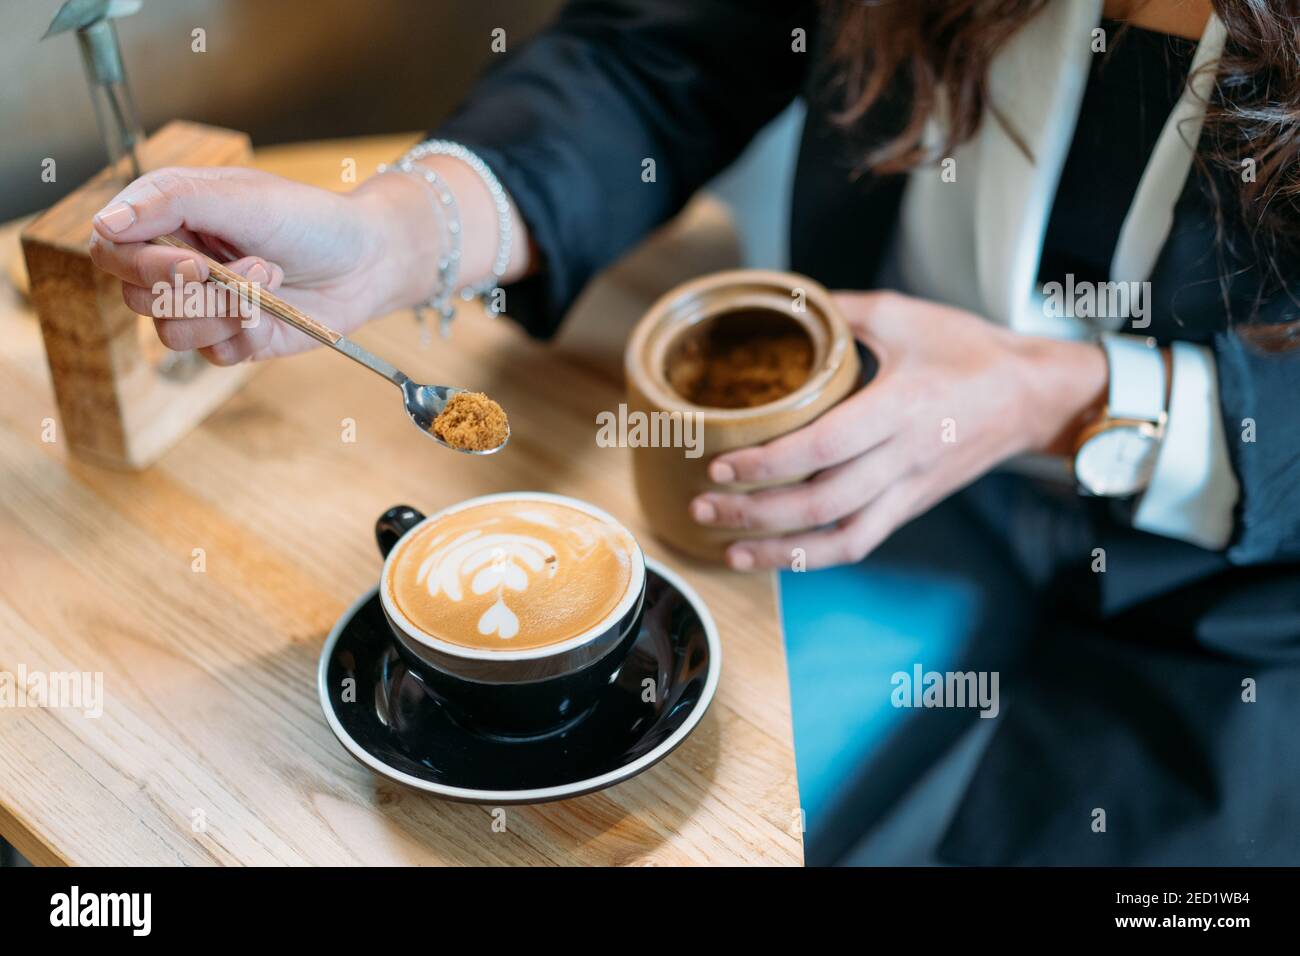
(542, 794)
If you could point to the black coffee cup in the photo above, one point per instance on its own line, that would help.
(521, 692)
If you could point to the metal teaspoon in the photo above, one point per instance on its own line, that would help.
(423, 402)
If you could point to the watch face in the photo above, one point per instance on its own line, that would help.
(1117, 462)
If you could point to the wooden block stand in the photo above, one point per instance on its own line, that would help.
(118, 407)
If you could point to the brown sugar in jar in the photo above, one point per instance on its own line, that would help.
(741, 359)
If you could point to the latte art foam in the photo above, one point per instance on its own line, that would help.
(511, 575)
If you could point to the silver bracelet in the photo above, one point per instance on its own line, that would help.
(449, 215)
(486, 289)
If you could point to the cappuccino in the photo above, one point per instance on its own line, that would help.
(511, 574)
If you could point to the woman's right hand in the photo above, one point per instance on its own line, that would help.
(340, 258)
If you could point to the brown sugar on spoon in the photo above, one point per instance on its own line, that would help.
(472, 421)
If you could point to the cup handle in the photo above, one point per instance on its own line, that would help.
(394, 523)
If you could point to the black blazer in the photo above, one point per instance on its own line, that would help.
(566, 123)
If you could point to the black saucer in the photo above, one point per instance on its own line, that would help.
(391, 724)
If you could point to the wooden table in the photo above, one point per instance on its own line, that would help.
(212, 748)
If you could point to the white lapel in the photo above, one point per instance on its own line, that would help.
(976, 242)
(1038, 81)
(1146, 227)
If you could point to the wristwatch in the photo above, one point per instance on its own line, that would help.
(1115, 456)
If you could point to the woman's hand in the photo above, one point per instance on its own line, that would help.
(340, 258)
(954, 396)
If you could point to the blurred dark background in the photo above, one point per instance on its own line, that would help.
(287, 71)
(280, 70)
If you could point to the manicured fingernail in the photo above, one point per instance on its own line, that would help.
(116, 217)
(721, 472)
(188, 270)
(703, 511)
(741, 559)
(259, 274)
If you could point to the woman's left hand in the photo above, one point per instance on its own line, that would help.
(954, 396)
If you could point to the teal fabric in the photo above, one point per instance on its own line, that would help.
(847, 630)
(944, 593)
